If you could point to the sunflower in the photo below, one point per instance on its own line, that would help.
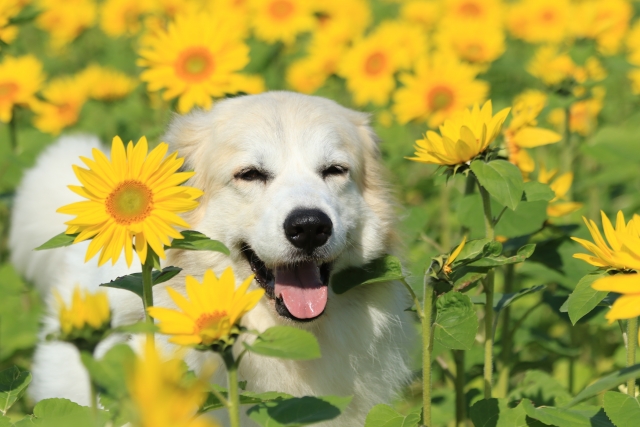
(8, 9)
(462, 12)
(439, 89)
(552, 66)
(20, 79)
(369, 68)
(340, 21)
(106, 84)
(85, 311)
(461, 138)
(606, 21)
(425, 13)
(281, 20)
(132, 195)
(453, 256)
(410, 41)
(583, 115)
(123, 17)
(620, 252)
(474, 43)
(194, 59)
(65, 20)
(560, 186)
(64, 97)
(539, 21)
(209, 315)
(163, 394)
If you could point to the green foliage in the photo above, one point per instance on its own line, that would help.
(580, 416)
(133, 282)
(63, 413)
(247, 398)
(13, 383)
(456, 322)
(502, 301)
(58, 241)
(584, 298)
(385, 269)
(386, 416)
(285, 342)
(622, 409)
(501, 179)
(298, 411)
(196, 241)
(606, 383)
(500, 413)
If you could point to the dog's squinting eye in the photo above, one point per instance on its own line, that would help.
(252, 174)
(334, 170)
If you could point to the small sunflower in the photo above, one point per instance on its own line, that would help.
(539, 21)
(106, 84)
(425, 13)
(308, 74)
(20, 79)
(64, 98)
(560, 184)
(194, 59)
(463, 12)
(475, 43)
(439, 89)
(340, 21)
(214, 307)
(8, 9)
(85, 311)
(462, 138)
(123, 17)
(133, 195)
(281, 20)
(65, 20)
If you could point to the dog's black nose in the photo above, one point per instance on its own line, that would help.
(308, 229)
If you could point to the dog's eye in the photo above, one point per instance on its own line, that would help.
(252, 174)
(334, 170)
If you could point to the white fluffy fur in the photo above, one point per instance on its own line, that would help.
(364, 334)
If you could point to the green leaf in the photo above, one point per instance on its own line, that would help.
(5, 422)
(133, 282)
(64, 413)
(109, 372)
(298, 411)
(456, 322)
(584, 298)
(196, 241)
(383, 269)
(474, 248)
(501, 179)
(535, 191)
(58, 241)
(623, 410)
(541, 388)
(248, 398)
(143, 327)
(582, 416)
(286, 342)
(498, 413)
(13, 382)
(500, 301)
(607, 382)
(528, 218)
(492, 261)
(385, 416)
(463, 277)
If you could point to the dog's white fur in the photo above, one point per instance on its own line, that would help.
(364, 334)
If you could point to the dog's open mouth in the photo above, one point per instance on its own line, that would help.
(299, 290)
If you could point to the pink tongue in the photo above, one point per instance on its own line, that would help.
(301, 289)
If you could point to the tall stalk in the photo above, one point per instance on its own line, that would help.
(13, 130)
(632, 343)
(147, 290)
(232, 384)
(445, 215)
(461, 404)
(427, 313)
(507, 350)
(489, 289)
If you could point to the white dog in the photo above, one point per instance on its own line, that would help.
(293, 186)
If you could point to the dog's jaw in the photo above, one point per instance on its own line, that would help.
(266, 278)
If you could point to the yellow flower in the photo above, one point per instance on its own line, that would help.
(162, 393)
(462, 12)
(552, 67)
(194, 59)
(633, 44)
(560, 186)
(20, 79)
(523, 131)
(132, 195)
(474, 42)
(122, 17)
(439, 89)
(454, 255)
(462, 138)
(106, 84)
(537, 21)
(85, 311)
(423, 12)
(627, 305)
(605, 21)
(369, 67)
(340, 21)
(246, 83)
(65, 20)
(64, 97)
(213, 308)
(623, 249)
(281, 20)
(8, 9)
(308, 74)
(410, 41)
(583, 115)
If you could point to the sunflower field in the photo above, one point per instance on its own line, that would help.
(510, 130)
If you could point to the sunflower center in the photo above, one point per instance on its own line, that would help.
(130, 202)
(473, 51)
(195, 64)
(470, 10)
(212, 326)
(548, 16)
(281, 9)
(375, 63)
(8, 90)
(439, 98)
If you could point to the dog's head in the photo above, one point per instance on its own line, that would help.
(292, 186)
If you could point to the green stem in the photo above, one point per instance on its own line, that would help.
(13, 130)
(461, 404)
(632, 343)
(507, 350)
(488, 287)
(427, 311)
(414, 297)
(94, 400)
(445, 215)
(567, 149)
(147, 290)
(232, 383)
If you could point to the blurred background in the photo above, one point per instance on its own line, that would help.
(123, 67)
